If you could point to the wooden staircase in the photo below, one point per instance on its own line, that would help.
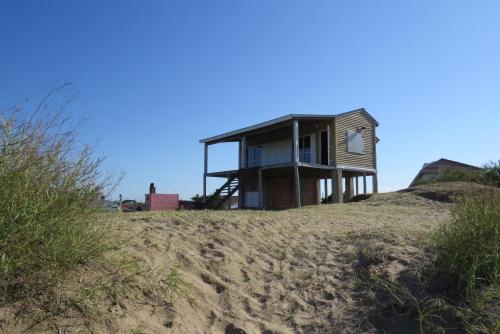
(222, 194)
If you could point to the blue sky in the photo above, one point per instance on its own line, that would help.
(156, 76)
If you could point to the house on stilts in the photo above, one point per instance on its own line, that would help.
(282, 161)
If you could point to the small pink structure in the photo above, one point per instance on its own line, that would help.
(159, 202)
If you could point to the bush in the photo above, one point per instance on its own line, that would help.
(49, 222)
(488, 175)
(461, 175)
(491, 174)
(468, 247)
(468, 253)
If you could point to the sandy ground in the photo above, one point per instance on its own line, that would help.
(294, 271)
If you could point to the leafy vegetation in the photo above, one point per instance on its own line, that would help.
(468, 254)
(488, 175)
(49, 217)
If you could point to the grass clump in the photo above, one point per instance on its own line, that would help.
(49, 220)
(460, 175)
(468, 254)
(488, 175)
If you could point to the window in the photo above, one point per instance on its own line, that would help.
(305, 149)
(253, 158)
(355, 141)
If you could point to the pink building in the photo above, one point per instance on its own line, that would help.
(159, 202)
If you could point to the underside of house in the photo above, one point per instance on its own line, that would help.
(298, 160)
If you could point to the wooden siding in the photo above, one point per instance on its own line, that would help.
(345, 158)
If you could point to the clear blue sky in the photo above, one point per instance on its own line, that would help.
(156, 76)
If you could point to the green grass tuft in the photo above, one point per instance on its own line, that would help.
(468, 254)
(49, 220)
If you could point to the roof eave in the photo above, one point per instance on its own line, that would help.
(227, 137)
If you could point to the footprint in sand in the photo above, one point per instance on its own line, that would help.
(219, 288)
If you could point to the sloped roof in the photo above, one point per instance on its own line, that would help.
(234, 135)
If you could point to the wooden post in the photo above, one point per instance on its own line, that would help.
(337, 189)
(318, 149)
(357, 185)
(349, 187)
(318, 192)
(326, 191)
(364, 183)
(296, 162)
(329, 161)
(375, 183)
(261, 194)
(242, 165)
(243, 152)
(239, 154)
(205, 171)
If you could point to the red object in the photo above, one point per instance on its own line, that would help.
(159, 202)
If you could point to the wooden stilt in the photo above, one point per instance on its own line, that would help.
(337, 185)
(205, 171)
(375, 183)
(349, 187)
(326, 191)
(296, 163)
(364, 183)
(261, 194)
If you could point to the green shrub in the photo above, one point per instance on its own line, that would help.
(491, 174)
(488, 175)
(468, 254)
(457, 174)
(468, 247)
(49, 222)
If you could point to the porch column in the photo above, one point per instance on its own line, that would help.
(261, 194)
(364, 183)
(318, 149)
(375, 183)
(205, 170)
(357, 185)
(242, 164)
(326, 191)
(337, 189)
(349, 187)
(329, 160)
(296, 162)
(243, 151)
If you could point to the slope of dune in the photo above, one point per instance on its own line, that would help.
(295, 271)
(278, 272)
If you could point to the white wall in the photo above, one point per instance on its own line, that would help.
(278, 152)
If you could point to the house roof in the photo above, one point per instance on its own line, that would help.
(234, 135)
(433, 167)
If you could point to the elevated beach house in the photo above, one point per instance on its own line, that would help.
(282, 161)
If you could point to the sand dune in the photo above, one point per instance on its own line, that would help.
(297, 271)
(292, 271)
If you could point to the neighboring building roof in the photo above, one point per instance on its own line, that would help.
(434, 167)
(234, 135)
